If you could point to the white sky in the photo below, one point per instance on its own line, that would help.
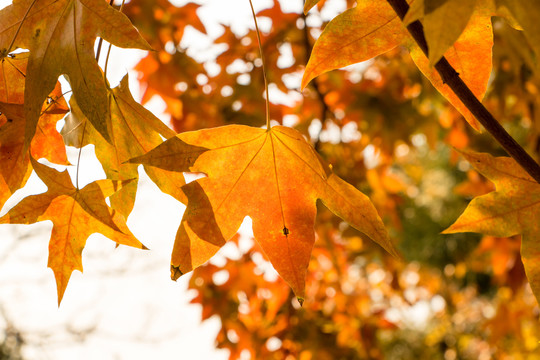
(125, 306)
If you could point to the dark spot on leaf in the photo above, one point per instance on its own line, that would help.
(285, 231)
(38, 31)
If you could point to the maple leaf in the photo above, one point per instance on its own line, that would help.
(14, 165)
(359, 34)
(14, 168)
(135, 131)
(13, 74)
(373, 28)
(470, 56)
(527, 16)
(443, 22)
(60, 35)
(514, 208)
(76, 214)
(47, 142)
(274, 177)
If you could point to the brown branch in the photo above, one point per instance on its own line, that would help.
(452, 79)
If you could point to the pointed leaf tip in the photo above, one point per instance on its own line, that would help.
(175, 273)
(309, 4)
(358, 34)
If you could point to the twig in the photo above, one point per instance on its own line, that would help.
(452, 79)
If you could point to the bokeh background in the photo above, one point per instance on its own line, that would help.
(383, 128)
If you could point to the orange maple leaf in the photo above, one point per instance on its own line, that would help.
(274, 177)
(372, 28)
(514, 208)
(76, 214)
(60, 35)
(470, 56)
(47, 143)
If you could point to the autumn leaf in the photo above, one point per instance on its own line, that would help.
(514, 208)
(14, 168)
(470, 56)
(274, 177)
(14, 165)
(76, 214)
(373, 28)
(527, 16)
(443, 21)
(60, 35)
(135, 131)
(359, 34)
(13, 76)
(47, 142)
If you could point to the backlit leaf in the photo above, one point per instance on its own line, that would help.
(135, 131)
(14, 164)
(372, 28)
(60, 35)
(514, 208)
(274, 177)
(76, 214)
(443, 24)
(359, 34)
(470, 56)
(527, 15)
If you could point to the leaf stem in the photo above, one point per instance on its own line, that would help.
(110, 45)
(79, 157)
(263, 67)
(454, 81)
(98, 54)
(100, 41)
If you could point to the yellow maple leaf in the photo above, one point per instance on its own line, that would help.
(134, 131)
(514, 208)
(76, 214)
(443, 23)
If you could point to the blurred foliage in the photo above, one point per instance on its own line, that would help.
(385, 130)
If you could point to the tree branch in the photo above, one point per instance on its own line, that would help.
(452, 79)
